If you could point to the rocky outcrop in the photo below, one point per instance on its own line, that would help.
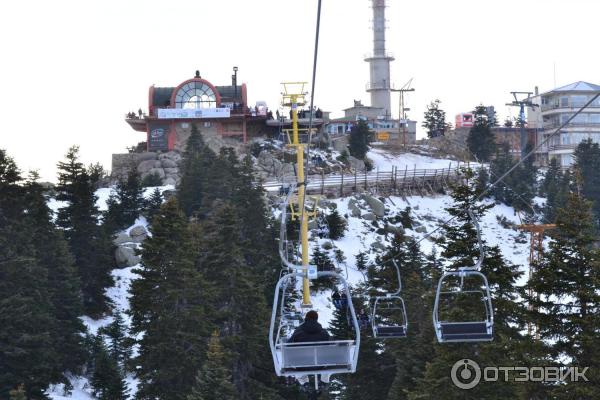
(138, 234)
(164, 165)
(376, 205)
(126, 257)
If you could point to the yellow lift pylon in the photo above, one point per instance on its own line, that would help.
(294, 95)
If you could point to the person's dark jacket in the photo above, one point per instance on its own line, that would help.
(310, 331)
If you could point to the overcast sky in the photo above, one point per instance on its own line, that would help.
(70, 70)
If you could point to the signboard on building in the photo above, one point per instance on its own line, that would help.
(158, 138)
(383, 136)
(191, 113)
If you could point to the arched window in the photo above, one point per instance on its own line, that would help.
(195, 95)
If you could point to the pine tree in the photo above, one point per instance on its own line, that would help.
(199, 163)
(360, 137)
(125, 205)
(214, 378)
(361, 261)
(63, 283)
(481, 141)
(242, 315)
(88, 242)
(153, 204)
(337, 225)
(119, 347)
(167, 304)
(434, 120)
(107, 379)
(566, 287)
(27, 319)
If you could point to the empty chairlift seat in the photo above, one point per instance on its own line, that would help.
(470, 295)
(389, 317)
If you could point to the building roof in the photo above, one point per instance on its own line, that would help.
(578, 87)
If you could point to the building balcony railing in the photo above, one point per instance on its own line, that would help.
(570, 106)
(555, 124)
(380, 86)
(559, 147)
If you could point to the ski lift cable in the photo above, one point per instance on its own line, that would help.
(504, 175)
(312, 99)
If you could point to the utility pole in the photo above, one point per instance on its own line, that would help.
(402, 110)
(536, 251)
(526, 102)
(293, 99)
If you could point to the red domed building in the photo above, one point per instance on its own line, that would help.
(221, 110)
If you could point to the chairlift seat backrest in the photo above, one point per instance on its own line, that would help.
(321, 356)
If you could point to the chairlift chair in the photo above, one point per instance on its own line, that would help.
(388, 319)
(312, 358)
(470, 330)
(472, 283)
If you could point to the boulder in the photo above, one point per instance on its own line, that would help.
(121, 238)
(170, 181)
(394, 230)
(168, 163)
(126, 257)
(377, 245)
(356, 164)
(156, 171)
(369, 216)
(138, 233)
(421, 229)
(375, 205)
(145, 166)
(353, 207)
(171, 171)
(312, 224)
(327, 245)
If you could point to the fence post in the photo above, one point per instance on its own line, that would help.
(366, 187)
(342, 185)
(355, 180)
(322, 182)
(377, 181)
(404, 179)
(393, 182)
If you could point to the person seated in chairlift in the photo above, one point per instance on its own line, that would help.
(363, 320)
(337, 299)
(310, 330)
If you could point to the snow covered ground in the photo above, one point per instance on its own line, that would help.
(385, 160)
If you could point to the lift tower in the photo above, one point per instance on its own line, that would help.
(293, 95)
(526, 102)
(536, 251)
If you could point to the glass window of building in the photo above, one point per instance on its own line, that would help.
(195, 95)
(564, 101)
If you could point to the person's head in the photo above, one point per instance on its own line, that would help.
(311, 316)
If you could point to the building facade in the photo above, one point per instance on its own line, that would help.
(220, 110)
(556, 107)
